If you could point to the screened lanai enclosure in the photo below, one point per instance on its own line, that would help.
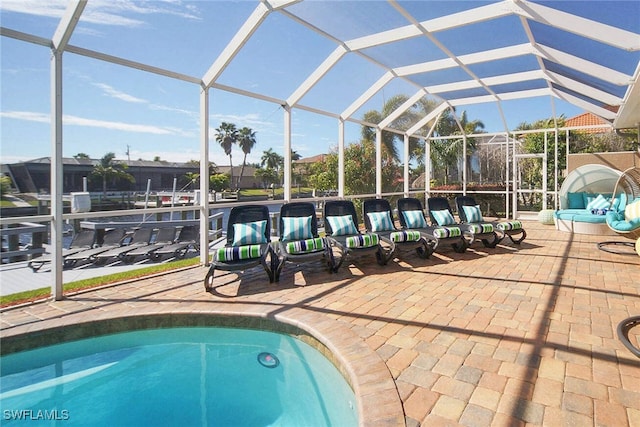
(432, 95)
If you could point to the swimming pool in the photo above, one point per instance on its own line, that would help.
(178, 376)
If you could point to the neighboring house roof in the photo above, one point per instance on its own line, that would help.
(587, 119)
(312, 159)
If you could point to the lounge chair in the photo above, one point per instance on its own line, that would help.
(411, 217)
(378, 218)
(440, 213)
(163, 236)
(341, 227)
(81, 241)
(299, 240)
(248, 243)
(470, 213)
(188, 237)
(141, 237)
(113, 238)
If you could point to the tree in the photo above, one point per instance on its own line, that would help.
(219, 181)
(5, 185)
(109, 169)
(267, 175)
(227, 136)
(403, 122)
(271, 159)
(246, 141)
(81, 156)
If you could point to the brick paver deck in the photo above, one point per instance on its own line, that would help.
(516, 335)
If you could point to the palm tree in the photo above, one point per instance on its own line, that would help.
(271, 159)
(246, 141)
(403, 122)
(108, 168)
(226, 136)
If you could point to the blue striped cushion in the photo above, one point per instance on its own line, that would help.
(237, 253)
(380, 221)
(509, 225)
(481, 228)
(473, 213)
(599, 202)
(414, 219)
(444, 232)
(342, 225)
(296, 228)
(305, 246)
(443, 217)
(405, 236)
(249, 233)
(362, 241)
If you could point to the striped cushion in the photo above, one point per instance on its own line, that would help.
(481, 228)
(362, 241)
(405, 236)
(380, 221)
(509, 225)
(473, 213)
(444, 232)
(342, 225)
(599, 202)
(237, 253)
(296, 228)
(414, 219)
(249, 233)
(632, 211)
(443, 217)
(305, 246)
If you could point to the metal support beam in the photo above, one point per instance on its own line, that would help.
(341, 158)
(378, 163)
(56, 175)
(287, 153)
(204, 176)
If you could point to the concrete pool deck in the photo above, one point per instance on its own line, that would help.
(516, 335)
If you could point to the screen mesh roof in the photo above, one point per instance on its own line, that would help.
(335, 57)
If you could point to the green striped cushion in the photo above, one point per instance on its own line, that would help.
(362, 241)
(237, 253)
(444, 232)
(405, 236)
(509, 225)
(305, 246)
(481, 228)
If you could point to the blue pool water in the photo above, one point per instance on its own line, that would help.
(179, 377)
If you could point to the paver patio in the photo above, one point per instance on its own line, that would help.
(516, 335)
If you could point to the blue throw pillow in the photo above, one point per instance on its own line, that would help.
(249, 233)
(443, 217)
(414, 219)
(472, 213)
(380, 221)
(296, 228)
(576, 200)
(342, 225)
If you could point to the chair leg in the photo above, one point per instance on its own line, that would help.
(518, 241)
(491, 243)
(208, 279)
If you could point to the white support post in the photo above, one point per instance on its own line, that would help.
(464, 164)
(555, 181)
(287, 153)
(427, 168)
(406, 166)
(204, 176)
(545, 183)
(341, 158)
(378, 162)
(56, 175)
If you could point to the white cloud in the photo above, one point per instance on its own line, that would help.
(114, 93)
(81, 121)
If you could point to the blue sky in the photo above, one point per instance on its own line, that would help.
(108, 107)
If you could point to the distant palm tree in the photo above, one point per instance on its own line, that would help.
(246, 141)
(226, 136)
(271, 159)
(108, 168)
